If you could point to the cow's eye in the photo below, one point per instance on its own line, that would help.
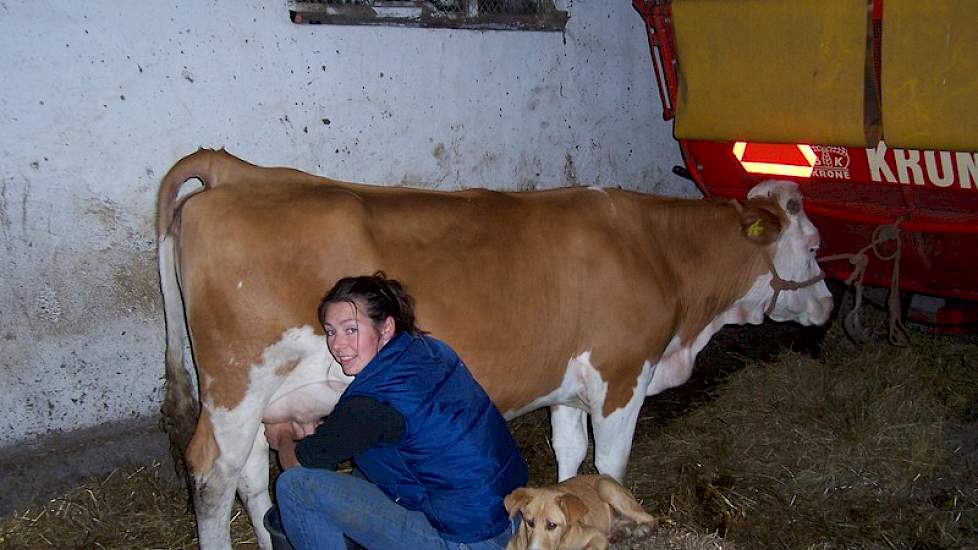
(793, 206)
(551, 526)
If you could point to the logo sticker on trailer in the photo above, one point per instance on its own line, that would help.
(885, 165)
(831, 162)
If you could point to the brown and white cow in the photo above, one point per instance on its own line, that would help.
(583, 300)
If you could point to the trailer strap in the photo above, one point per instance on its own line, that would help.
(898, 335)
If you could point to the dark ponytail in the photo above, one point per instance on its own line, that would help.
(379, 296)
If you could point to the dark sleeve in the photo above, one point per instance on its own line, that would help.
(355, 425)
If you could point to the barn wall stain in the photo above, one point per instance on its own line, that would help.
(99, 103)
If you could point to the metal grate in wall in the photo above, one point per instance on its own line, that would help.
(538, 15)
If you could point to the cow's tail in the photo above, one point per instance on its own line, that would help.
(180, 407)
(180, 404)
(206, 165)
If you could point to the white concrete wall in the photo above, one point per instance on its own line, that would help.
(100, 98)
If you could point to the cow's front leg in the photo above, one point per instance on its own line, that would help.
(613, 440)
(218, 452)
(569, 427)
(253, 488)
(613, 433)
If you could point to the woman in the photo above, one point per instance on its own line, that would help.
(435, 455)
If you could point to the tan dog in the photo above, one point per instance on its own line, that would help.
(577, 514)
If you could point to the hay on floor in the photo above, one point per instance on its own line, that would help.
(870, 448)
(132, 507)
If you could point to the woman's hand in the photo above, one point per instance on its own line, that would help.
(282, 436)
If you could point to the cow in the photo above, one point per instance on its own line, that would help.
(583, 300)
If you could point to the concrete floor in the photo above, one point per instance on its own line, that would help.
(49, 466)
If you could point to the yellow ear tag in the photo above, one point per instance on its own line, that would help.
(755, 230)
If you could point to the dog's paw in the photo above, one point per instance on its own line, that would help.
(630, 530)
(622, 532)
(618, 536)
(642, 530)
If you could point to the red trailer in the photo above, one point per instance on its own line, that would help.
(871, 106)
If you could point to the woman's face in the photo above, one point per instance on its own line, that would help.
(352, 337)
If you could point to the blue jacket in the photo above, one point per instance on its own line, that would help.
(457, 459)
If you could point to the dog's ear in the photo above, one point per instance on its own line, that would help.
(572, 507)
(516, 500)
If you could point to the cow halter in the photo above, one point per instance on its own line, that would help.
(779, 284)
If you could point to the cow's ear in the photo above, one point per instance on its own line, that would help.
(515, 501)
(572, 506)
(758, 224)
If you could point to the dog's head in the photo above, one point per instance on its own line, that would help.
(547, 514)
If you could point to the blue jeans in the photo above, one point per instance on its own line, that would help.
(320, 509)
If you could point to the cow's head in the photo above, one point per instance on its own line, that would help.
(793, 256)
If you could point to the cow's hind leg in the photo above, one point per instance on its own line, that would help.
(253, 488)
(213, 487)
(216, 455)
(569, 426)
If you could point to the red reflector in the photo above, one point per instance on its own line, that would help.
(776, 158)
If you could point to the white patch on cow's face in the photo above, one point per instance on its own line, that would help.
(794, 259)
